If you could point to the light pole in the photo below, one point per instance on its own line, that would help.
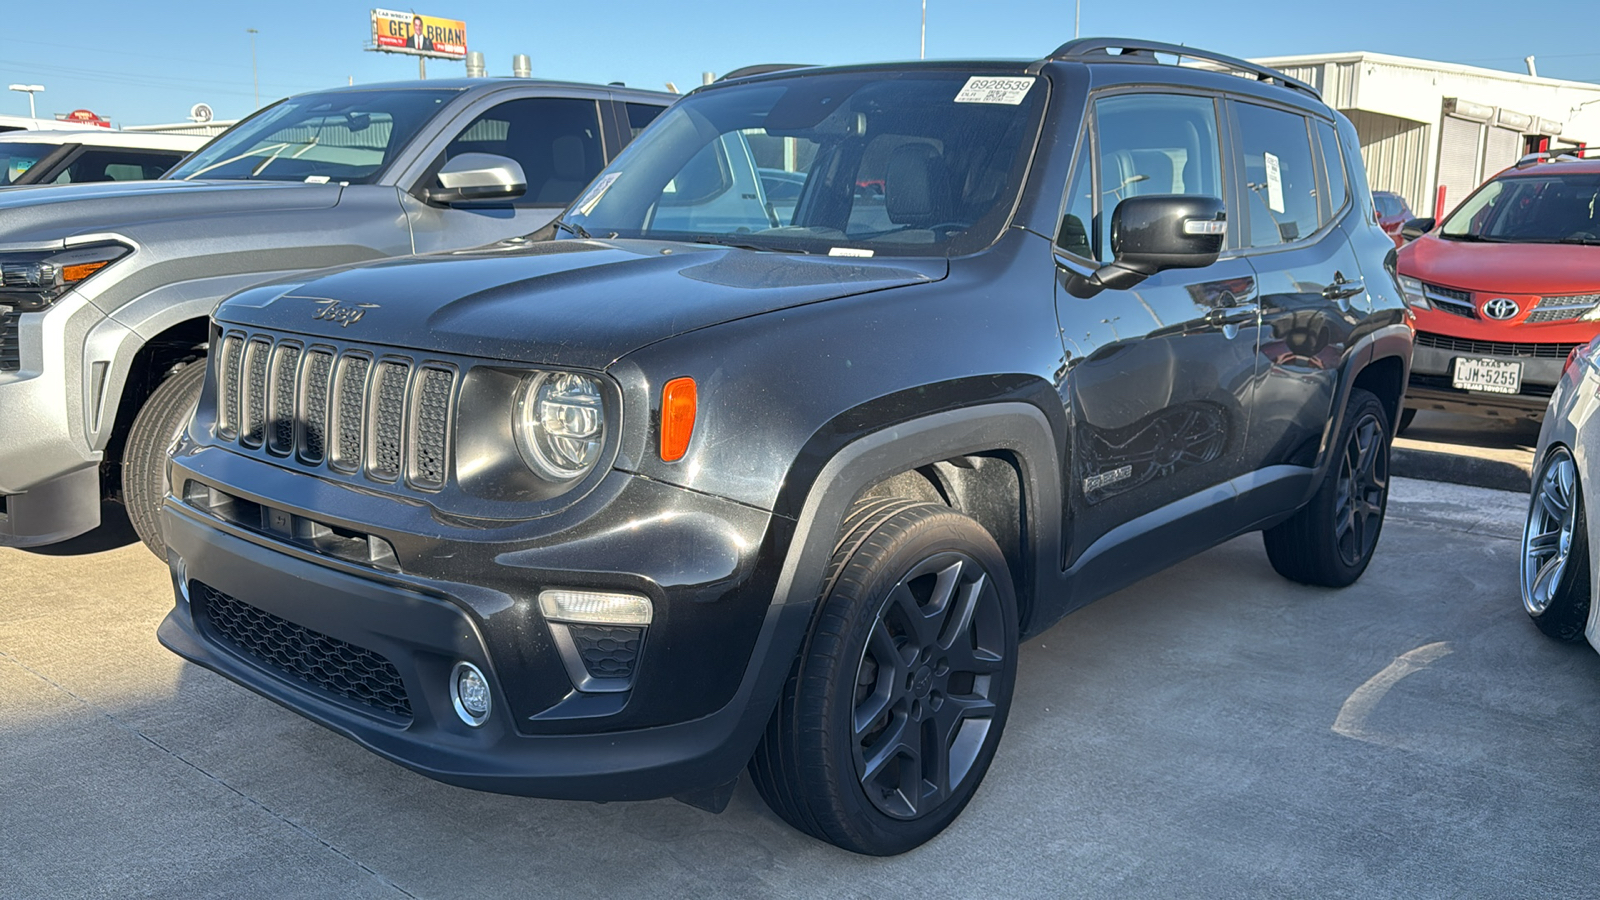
(30, 90)
(255, 78)
(923, 53)
(1077, 16)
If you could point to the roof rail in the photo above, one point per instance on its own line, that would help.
(762, 69)
(1567, 154)
(1135, 50)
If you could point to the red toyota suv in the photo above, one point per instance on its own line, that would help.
(1505, 289)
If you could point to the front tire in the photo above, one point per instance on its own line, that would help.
(1555, 551)
(1330, 542)
(893, 711)
(156, 428)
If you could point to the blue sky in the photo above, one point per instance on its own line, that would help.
(148, 63)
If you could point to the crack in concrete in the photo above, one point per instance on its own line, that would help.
(124, 726)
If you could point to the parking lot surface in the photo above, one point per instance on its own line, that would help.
(1212, 731)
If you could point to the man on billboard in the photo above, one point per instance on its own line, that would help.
(418, 40)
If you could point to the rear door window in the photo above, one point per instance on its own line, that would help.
(1279, 174)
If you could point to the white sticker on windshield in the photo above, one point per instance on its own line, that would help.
(987, 89)
(849, 251)
(317, 179)
(1274, 184)
(591, 199)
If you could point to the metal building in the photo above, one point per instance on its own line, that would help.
(1426, 125)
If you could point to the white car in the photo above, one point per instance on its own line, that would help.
(1557, 546)
(92, 154)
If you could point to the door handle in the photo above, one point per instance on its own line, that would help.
(1232, 315)
(1342, 289)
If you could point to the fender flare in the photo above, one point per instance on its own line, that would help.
(1389, 341)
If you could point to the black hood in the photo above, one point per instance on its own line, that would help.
(568, 303)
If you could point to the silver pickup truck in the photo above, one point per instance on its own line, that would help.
(106, 289)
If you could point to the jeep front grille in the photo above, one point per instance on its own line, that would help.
(10, 341)
(355, 410)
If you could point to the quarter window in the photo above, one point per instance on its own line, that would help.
(1338, 186)
(555, 140)
(1144, 144)
(1280, 177)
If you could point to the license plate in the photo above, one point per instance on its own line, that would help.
(1491, 375)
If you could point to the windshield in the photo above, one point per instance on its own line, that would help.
(1536, 209)
(348, 137)
(18, 158)
(855, 164)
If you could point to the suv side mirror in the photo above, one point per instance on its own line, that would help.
(1415, 228)
(478, 176)
(1154, 233)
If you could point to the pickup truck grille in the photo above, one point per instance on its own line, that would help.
(354, 410)
(10, 342)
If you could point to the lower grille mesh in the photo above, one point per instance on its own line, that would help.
(1493, 348)
(10, 342)
(335, 666)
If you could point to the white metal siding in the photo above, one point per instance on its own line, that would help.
(1502, 148)
(1459, 141)
(1395, 152)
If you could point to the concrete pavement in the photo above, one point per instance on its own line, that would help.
(1211, 731)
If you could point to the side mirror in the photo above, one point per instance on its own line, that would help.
(1153, 233)
(479, 176)
(1415, 228)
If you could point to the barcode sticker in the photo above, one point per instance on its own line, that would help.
(988, 89)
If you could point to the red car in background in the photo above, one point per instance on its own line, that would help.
(1393, 213)
(1504, 289)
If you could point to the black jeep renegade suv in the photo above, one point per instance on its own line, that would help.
(839, 384)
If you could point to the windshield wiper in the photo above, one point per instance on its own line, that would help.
(728, 240)
(573, 229)
(1476, 238)
(1574, 239)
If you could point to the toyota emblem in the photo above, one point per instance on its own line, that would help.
(1501, 308)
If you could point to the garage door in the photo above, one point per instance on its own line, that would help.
(1459, 141)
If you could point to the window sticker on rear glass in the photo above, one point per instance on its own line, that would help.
(1274, 184)
(591, 200)
(987, 89)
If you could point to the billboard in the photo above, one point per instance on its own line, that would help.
(404, 32)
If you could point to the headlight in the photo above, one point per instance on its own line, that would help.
(560, 424)
(32, 281)
(1412, 289)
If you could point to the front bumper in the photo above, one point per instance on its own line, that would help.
(590, 746)
(1430, 385)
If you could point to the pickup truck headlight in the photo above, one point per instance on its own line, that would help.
(559, 422)
(31, 281)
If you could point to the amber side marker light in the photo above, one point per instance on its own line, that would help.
(79, 271)
(678, 400)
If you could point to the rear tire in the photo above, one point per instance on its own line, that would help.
(155, 429)
(1330, 541)
(1555, 551)
(895, 706)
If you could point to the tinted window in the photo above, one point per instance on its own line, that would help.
(346, 136)
(640, 115)
(556, 141)
(1543, 208)
(1152, 144)
(117, 165)
(1279, 175)
(1073, 236)
(1333, 161)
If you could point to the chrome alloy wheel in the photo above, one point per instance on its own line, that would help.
(924, 698)
(1547, 538)
(1362, 490)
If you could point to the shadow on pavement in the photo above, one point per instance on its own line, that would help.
(1484, 452)
(115, 531)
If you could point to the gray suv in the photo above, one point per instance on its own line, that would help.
(107, 288)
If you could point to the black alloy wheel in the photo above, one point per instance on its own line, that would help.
(897, 701)
(1330, 541)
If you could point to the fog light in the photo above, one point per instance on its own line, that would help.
(595, 607)
(469, 694)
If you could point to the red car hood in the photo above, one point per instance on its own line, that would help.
(1536, 269)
